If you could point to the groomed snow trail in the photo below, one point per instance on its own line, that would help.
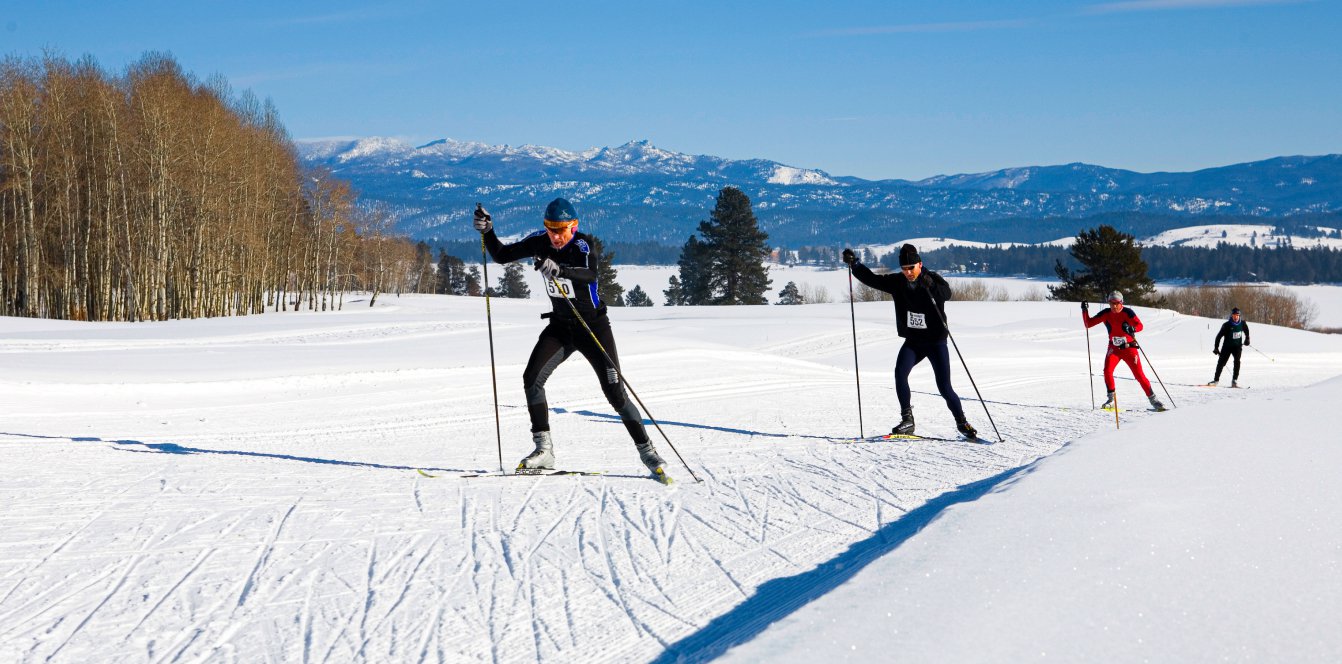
(244, 490)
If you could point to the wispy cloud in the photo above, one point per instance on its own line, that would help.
(915, 28)
(1163, 5)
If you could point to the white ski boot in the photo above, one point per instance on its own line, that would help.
(544, 457)
(650, 458)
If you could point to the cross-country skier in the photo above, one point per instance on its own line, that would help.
(568, 263)
(920, 300)
(1235, 332)
(1122, 323)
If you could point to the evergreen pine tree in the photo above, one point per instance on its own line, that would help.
(695, 273)
(737, 250)
(1111, 261)
(607, 288)
(790, 294)
(637, 298)
(452, 276)
(473, 282)
(513, 283)
(675, 296)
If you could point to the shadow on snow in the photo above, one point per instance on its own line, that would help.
(174, 448)
(688, 425)
(779, 598)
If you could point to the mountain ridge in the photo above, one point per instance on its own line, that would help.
(640, 192)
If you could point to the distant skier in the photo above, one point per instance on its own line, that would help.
(1235, 332)
(565, 257)
(1122, 323)
(920, 300)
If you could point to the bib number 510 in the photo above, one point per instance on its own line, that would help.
(565, 288)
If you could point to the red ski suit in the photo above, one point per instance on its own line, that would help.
(1122, 346)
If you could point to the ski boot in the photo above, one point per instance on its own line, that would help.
(650, 458)
(905, 426)
(1109, 404)
(962, 425)
(1234, 383)
(541, 459)
(1155, 402)
(1214, 382)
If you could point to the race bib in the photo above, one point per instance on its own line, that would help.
(917, 321)
(565, 288)
(1236, 335)
(1119, 341)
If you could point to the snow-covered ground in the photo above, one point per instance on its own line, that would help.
(245, 490)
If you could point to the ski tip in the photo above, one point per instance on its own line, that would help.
(425, 474)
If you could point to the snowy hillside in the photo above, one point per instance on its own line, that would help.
(245, 489)
(1244, 235)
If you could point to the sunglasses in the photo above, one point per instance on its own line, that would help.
(559, 226)
(907, 268)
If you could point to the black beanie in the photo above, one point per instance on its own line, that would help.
(908, 255)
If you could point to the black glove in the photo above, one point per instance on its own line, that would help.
(1127, 329)
(1246, 342)
(483, 222)
(1085, 306)
(848, 257)
(1216, 351)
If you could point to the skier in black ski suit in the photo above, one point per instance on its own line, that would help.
(920, 300)
(1235, 332)
(567, 262)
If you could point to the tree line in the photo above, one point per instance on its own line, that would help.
(151, 195)
(1224, 262)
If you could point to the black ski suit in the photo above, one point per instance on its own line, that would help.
(920, 308)
(1236, 336)
(577, 283)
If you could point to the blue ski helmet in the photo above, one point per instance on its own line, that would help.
(560, 210)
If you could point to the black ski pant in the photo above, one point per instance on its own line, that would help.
(936, 353)
(1226, 352)
(557, 342)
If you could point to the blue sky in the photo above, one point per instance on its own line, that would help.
(873, 89)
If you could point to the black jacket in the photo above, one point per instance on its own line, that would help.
(920, 307)
(577, 270)
(1228, 332)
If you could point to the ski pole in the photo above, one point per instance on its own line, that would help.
(947, 326)
(1156, 373)
(489, 321)
(852, 312)
(560, 290)
(1115, 400)
(1090, 365)
(1269, 357)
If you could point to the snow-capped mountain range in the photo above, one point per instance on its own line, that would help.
(638, 191)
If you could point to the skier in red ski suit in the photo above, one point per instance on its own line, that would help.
(1121, 323)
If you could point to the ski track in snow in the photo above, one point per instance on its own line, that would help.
(278, 517)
